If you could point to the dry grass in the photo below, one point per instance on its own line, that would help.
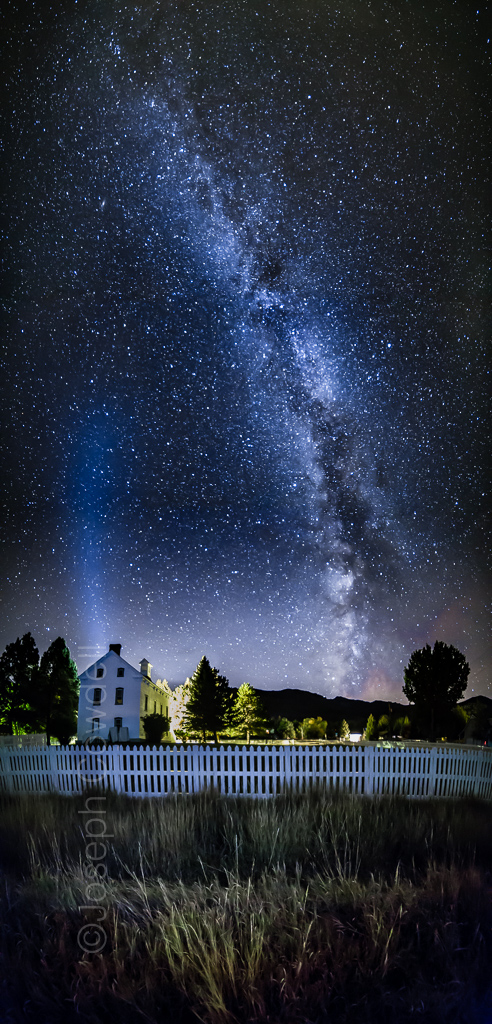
(294, 910)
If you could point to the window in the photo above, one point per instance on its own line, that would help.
(95, 724)
(119, 695)
(118, 722)
(146, 702)
(120, 672)
(100, 673)
(161, 709)
(97, 696)
(155, 706)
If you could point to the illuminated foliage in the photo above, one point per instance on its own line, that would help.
(247, 713)
(18, 664)
(209, 701)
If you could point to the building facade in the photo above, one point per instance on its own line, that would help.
(114, 697)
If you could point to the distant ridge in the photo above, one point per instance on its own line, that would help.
(299, 704)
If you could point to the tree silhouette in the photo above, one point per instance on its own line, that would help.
(18, 663)
(155, 726)
(54, 693)
(435, 679)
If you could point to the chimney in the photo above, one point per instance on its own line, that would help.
(145, 668)
(116, 648)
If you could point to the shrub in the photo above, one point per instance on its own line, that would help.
(314, 728)
(284, 729)
(155, 726)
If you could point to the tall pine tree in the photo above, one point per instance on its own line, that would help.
(209, 701)
(247, 712)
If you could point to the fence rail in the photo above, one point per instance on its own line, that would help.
(257, 771)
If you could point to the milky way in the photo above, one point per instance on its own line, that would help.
(244, 370)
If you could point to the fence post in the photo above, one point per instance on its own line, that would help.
(433, 779)
(369, 760)
(54, 783)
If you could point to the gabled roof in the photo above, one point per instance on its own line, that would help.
(110, 654)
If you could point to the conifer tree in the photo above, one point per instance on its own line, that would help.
(384, 728)
(247, 712)
(370, 731)
(54, 693)
(344, 732)
(209, 701)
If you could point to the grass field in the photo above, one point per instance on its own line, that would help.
(296, 910)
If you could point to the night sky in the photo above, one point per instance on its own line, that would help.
(244, 347)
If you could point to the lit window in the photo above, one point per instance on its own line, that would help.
(97, 696)
(100, 673)
(120, 672)
(119, 695)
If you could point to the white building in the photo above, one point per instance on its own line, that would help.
(114, 697)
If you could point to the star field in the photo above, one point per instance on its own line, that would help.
(244, 362)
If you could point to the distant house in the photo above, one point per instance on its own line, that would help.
(114, 697)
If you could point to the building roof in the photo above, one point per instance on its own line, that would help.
(105, 657)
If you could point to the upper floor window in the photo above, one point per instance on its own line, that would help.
(146, 703)
(120, 672)
(155, 706)
(97, 696)
(100, 673)
(119, 695)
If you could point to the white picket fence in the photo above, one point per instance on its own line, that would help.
(414, 771)
(30, 739)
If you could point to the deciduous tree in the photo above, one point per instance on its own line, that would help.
(435, 680)
(285, 729)
(18, 664)
(314, 728)
(480, 718)
(178, 702)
